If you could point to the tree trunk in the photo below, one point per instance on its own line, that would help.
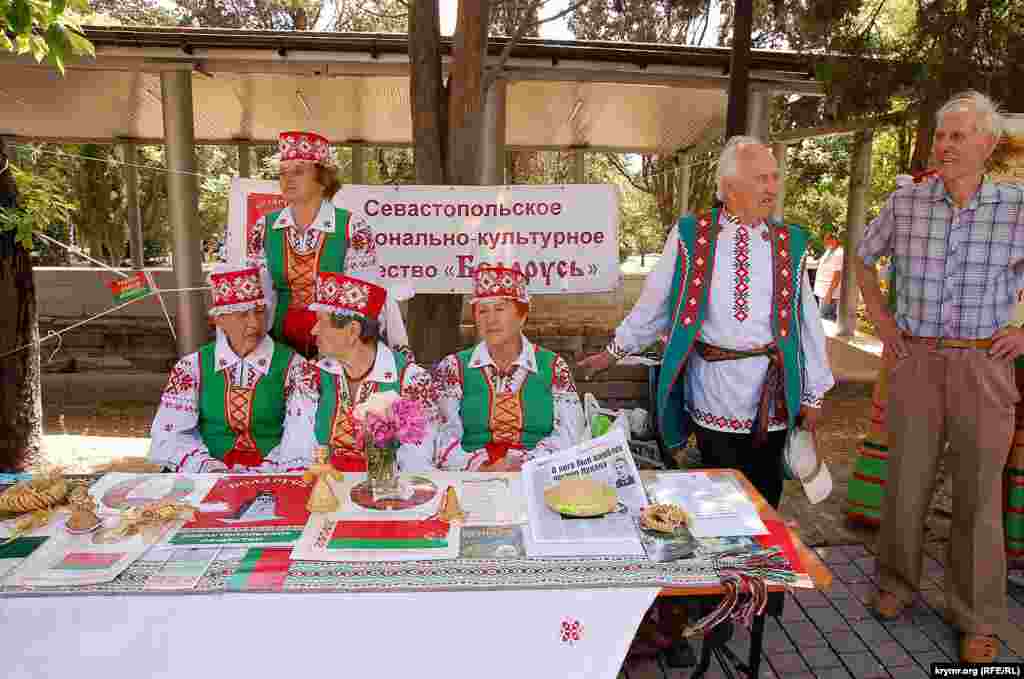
(447, 147)
(427, 96)
(664, 185)
(21, 409)
(923, 140)
(467, 92)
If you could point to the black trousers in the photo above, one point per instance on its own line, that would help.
(762, 466)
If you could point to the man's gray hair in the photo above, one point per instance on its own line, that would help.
(727, 160)
(989, 119)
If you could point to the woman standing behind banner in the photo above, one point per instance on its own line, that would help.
(308, 236)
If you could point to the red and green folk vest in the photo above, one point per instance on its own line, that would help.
(334, 424)
(517, 420)
(691, 283)
(294, 275)
(247, 420)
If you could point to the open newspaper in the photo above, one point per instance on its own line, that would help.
(606, 459)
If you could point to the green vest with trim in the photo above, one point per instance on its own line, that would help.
(332, 259)
(698, 239)
(535, 399)
(330, 397)
(268, 408)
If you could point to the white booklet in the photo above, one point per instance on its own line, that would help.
(68, 560)
(606, 459)
(717, 505)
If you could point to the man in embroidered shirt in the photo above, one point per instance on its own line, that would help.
(957, 249)
(505, 400)
(238, 399)
(748, 362)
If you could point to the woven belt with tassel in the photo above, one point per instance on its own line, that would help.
(772, 391)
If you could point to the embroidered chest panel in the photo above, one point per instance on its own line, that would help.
(506, 418)
(300, 269)
(238, 409)
(343, 426)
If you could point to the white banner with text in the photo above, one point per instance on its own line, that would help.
(431, 238)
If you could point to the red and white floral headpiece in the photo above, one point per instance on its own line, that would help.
(305, 146)
(236, 288)
(346, 296)
(491, 282)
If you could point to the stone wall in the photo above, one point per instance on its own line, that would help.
(79, 292)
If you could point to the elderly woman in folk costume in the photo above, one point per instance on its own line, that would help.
(354, 364)
(505, 400)
(310, 236)
(238, 399)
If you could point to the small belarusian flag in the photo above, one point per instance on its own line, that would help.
(262, 569)
(132, 287)
(423, 534)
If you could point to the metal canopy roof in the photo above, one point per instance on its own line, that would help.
(248, 85)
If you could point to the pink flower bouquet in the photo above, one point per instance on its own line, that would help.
(385, 422)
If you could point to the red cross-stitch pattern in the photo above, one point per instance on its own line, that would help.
(720, 421)
(572, 631)
(361, 238)
(180, 382)
(448, 378)
(741, 267)
(563, 377)
(254, 248)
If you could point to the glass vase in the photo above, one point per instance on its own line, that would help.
(382, 473)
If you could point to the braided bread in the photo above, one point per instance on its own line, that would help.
(42, 492)
(663, 518)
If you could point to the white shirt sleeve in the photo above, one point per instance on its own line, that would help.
(269, 293)
(176, 443)
(651, 315)
(568, 425)
(449, 454)
(302, 395)
(418, 385)
(361, 253)
(818, 377)
(396, 335)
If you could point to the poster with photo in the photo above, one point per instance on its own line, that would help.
(250, 511)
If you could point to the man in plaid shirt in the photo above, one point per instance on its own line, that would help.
(956, 243)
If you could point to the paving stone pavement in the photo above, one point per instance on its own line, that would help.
(833, 635)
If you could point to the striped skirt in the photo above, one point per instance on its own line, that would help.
(867, 483)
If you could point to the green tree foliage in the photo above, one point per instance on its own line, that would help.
(42, 204)
(684, 22)
(45, 29)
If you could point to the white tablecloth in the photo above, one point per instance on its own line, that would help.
(516, 634)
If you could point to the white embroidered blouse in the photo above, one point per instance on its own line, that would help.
(568, 417)
(417, 384)
(360, 260)
(176, 442)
